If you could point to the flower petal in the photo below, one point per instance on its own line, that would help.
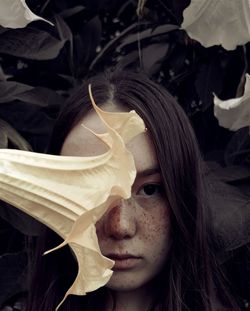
(16, 14)
(69, 194)
(213, 22)
(234, 113)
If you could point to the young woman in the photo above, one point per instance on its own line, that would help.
(159, 238)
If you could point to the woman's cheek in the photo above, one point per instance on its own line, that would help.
(155, 221)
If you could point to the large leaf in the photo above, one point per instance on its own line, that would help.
(153, 56)
(9, 90)
(128, 60)
(238, 149)
(40, 96)
(71, 11)
(148, 33)
(19, 220)
(112, 44)
(235, 174)
(29, 120)
(230, 211)
(3, 140)
(30, 43)
(65, 34)
(127, 39)
(9, 135)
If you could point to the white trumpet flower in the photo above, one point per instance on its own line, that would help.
(218, 22)
(234, 113)
(16, 14)
(70, 194)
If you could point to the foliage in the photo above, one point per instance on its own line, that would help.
(91, 36)
(41, 64)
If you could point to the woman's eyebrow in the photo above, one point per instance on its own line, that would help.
(148, 171)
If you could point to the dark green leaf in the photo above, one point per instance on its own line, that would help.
(30, 121)
(20, 220)
(112, 44)
(230, 174)
(70, 80)
(3, 140)
(128, 59)
(66, 35)
(9, 90)
(30, 43)
(148, 33)
(238, 148)
(7, 132)
(39, 96)
(152, 57)
(64, 31)
(72, 11)
(230, 214)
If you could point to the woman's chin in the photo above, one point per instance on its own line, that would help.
(125, 281)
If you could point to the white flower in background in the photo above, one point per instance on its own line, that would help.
(16, 14)
(234, 113)
(215, 22)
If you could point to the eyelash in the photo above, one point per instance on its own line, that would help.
(157, 187)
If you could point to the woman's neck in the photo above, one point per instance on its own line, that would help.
(136, 300)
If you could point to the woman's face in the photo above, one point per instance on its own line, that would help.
(135, 233)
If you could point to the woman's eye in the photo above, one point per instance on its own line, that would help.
(150, 190)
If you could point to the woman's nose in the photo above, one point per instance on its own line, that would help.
(120, 221)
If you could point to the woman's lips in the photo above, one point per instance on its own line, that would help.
(124, 261)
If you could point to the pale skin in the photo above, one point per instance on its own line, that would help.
(135, 233)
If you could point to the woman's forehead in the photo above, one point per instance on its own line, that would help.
(81, 142)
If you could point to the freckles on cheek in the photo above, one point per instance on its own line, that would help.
(156, 223)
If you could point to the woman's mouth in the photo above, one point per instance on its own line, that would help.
(124, 261)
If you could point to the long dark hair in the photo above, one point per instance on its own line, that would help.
(190, 280)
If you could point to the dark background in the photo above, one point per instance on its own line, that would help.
(40, 65)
